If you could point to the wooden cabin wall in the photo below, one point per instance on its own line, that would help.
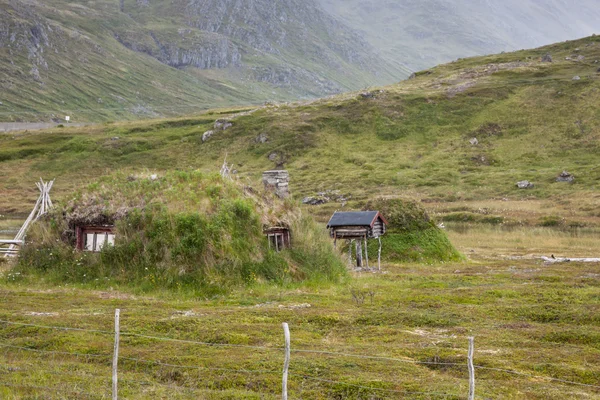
(378, 228)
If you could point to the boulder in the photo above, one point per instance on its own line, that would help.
(580, 58)
(412, 76)
(207, 135)
(262, 138)
(314, 201)
(577, 78)
(474, 142)
(565, 177)
(547, 58)
(525, 185)
(222, 124)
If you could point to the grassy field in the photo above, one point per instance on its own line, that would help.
(532, 121)
(538, 321)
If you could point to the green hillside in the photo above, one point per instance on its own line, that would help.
(532, 120)
(107, 60)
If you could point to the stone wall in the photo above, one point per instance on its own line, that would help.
(278, 182)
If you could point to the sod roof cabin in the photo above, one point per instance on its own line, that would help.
(357, 225)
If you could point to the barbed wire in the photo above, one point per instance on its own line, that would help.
(509, 371)
(47, 388)
(364, 387)
(61, 328)
(162, 364)
(381, 358)
(54, 352)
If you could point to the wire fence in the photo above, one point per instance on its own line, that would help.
(110, 374)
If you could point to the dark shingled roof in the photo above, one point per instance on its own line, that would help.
(355, 218)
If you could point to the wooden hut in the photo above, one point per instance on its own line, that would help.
(358, 226)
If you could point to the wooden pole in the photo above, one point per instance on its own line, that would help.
(471, 369)
(116, 356)
(349, 252)
(379, 254)
(366, 252)
(286, 363)
(358, 254)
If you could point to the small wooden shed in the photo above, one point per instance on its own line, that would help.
(358, 226)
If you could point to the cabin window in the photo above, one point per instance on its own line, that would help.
(94, 239)
(97, 240)
(279, 239)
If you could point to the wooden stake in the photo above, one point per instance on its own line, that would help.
(116, 356)
(349, 252)
(366, 252)
(286, 363)
(471, 369)
(358, 254)
(379, 255)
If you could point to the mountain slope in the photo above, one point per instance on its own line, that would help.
(103, 59)
(421, 34)
(532, 120)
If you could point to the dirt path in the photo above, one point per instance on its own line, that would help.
(21, 126)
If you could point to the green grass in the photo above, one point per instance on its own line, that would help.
(536, 320)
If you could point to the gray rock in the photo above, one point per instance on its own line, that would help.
(577, 78)
(262, 138)
(565, 177)
(207, 135)
(115, 138)
(314, 201)
(547, 58)
(474, 142)
(412, 76)
(222, 124)
(525, 185)
(273, 156)
(580, 58)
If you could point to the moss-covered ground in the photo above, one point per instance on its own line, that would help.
(536, 320)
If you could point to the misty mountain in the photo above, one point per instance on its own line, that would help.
(424, 33)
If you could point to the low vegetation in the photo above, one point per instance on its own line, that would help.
(411, 233)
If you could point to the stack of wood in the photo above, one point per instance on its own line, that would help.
(43, 204)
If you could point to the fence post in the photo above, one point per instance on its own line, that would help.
(379, 254)
(471, 369)
(115, 356)
(286, 364)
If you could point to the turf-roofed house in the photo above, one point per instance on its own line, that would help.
(358, 227)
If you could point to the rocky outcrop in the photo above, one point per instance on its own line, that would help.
(184, 48)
